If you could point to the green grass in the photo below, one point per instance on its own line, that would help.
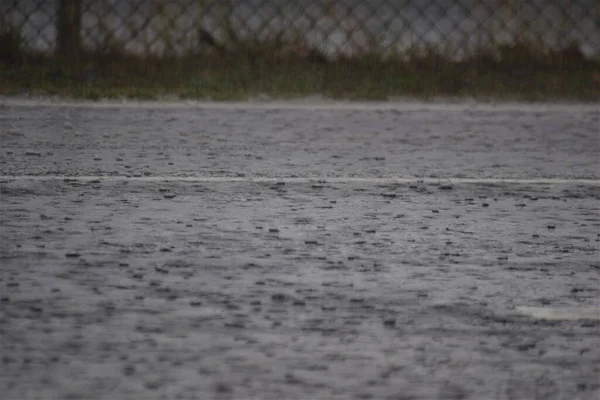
(519, 75)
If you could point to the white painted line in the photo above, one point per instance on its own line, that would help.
(314, 179)
(309, 103)
(561, 313)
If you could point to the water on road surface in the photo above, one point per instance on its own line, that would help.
(290, 251)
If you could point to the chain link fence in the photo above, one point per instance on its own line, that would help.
(452, 28)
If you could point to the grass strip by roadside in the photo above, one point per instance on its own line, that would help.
(244, 76)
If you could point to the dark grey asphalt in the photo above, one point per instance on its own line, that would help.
(410, 140)
(126, 288)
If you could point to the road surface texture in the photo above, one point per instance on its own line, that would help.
(298, 251)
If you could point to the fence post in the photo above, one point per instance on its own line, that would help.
(69, 29)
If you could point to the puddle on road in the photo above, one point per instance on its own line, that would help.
(561, 313)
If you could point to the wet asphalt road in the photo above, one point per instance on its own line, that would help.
(412, 140)
(119, 283)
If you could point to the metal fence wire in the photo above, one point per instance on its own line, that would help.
(454, 28)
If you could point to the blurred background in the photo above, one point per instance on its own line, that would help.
(455, 28)
(530, 32)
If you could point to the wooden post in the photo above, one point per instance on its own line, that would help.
(68, 46)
